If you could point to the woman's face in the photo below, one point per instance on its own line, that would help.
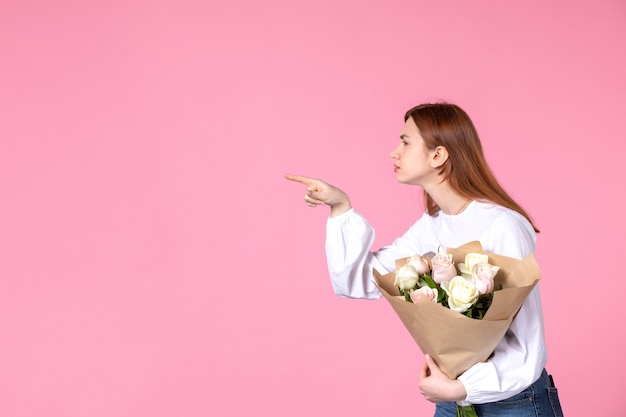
(412, 160)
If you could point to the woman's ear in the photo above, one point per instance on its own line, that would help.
(439, 157)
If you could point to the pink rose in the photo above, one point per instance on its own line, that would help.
(443, 267)
(482, 277)
(419, 263)
(430, 294)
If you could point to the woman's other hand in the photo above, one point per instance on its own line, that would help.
(321, 193)
(436, 387)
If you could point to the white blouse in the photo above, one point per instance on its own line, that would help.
(521, 356)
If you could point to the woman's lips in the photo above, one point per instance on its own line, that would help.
(396, 168)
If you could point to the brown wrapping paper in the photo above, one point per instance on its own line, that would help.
(457, 342)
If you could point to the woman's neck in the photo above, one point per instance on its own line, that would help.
(449, 201)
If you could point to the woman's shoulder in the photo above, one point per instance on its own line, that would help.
(500, 220)
(497, 212)
(508, 232)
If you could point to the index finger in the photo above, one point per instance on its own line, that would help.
(299, 178)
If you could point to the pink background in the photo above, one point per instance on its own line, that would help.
(153, 260)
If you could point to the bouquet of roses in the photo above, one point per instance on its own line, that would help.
(459, 304)
(468, 290)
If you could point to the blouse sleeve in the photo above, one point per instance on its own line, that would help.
(520, 357)
(349, 239)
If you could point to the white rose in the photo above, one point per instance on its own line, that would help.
(471, 260)
(406, 277)
(462, 294)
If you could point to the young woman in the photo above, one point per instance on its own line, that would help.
(440, 151)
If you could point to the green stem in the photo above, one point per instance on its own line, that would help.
(465, 411)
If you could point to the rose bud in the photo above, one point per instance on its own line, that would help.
(443, 267)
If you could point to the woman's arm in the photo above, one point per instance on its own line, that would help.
(349, 240)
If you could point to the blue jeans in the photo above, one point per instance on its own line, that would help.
(541, 399)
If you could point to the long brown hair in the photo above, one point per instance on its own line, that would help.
(447, 125)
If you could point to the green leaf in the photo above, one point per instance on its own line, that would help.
(431, 282)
